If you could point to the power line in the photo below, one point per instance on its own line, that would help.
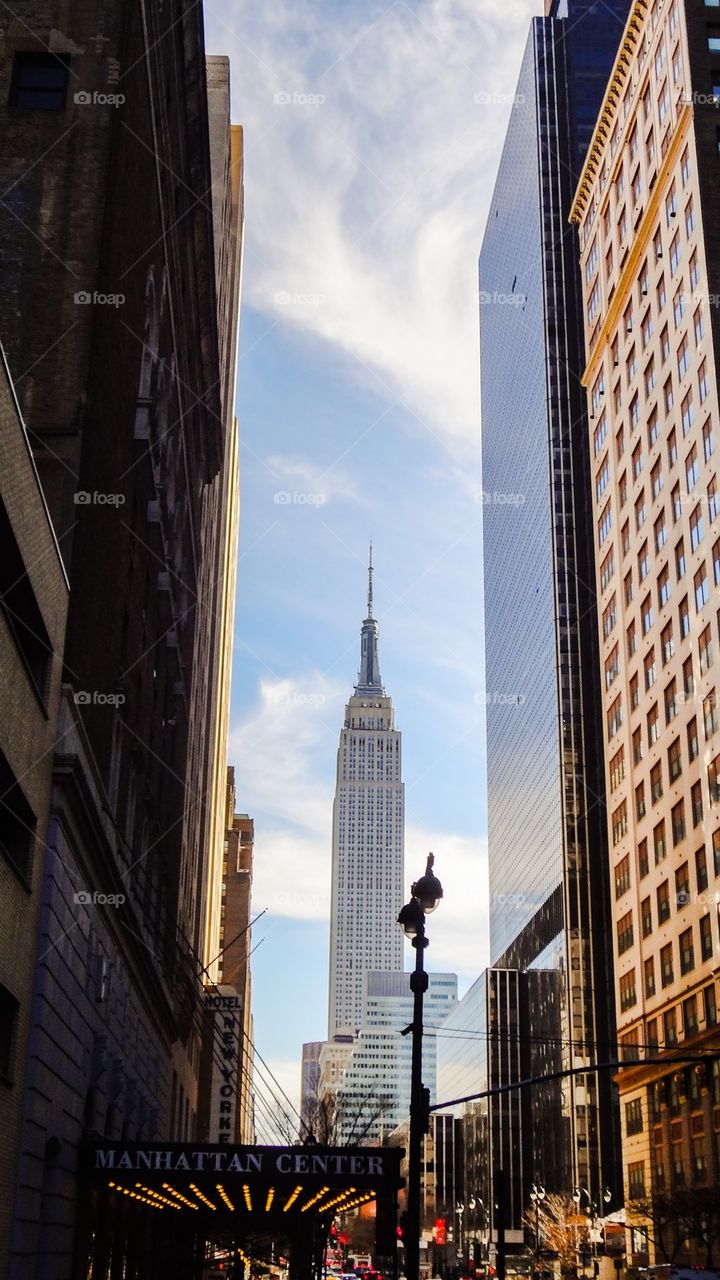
(703, 1056)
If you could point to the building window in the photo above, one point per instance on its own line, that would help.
(619, 823)
(663, 901)
(639, 795)
(714, 780)
(697, 804)
(696, 527)
(708, 440)
(649, 977)
(628, 994)
(667, 643)
(706, 945)
(710, 714)
(682, 886)
(643, 859)
(687, 952)
(646, 917)
(667, 972)
(690, 1016)
(8, 1019)
(636, 1180)
(633, 1117)
(17, 820)
(653, 725)
(660, 531)
(674, 762)
(705, 649)
(39, 82)
(649, 669)
(710, 1007)
(622, 877)
(692, 739)
(687, 412)
(617, 769)
(646, 615)
(701, 871)
(677, 816)
(659, 844)
(625, 933)
(615, 717)
(684, 618)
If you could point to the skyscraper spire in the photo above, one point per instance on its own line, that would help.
(369, 680)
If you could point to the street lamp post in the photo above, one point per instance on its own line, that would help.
(424, 897)
(460, 1209)
(591, 1213)
(537, 1195)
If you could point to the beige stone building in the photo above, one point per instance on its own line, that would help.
(647, 210)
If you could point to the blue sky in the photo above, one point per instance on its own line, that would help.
(372, 138)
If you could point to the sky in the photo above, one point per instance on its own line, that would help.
(372, 137)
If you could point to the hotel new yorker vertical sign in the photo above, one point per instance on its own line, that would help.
(224, 1006)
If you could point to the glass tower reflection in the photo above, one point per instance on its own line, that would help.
(549, 901)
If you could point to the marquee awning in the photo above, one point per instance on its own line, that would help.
(262, 1184)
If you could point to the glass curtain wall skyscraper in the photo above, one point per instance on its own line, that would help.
(549, 904)
(368, 839)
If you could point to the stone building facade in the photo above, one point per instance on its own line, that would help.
(120, 242)
(33, 607)
(647, 211)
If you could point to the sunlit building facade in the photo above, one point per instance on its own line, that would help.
(549, 900)
(647, 209)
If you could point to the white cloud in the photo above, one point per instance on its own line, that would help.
(458, 928)
(314, 481)
(368, 180)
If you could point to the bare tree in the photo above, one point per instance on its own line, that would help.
(556, 1225)
(343, 1120)
(675, 1223)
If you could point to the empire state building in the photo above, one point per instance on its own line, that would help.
(368, 839)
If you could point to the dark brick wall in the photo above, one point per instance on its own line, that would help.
(27, 738)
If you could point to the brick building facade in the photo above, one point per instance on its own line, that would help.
(120, 243)
(33, 595)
